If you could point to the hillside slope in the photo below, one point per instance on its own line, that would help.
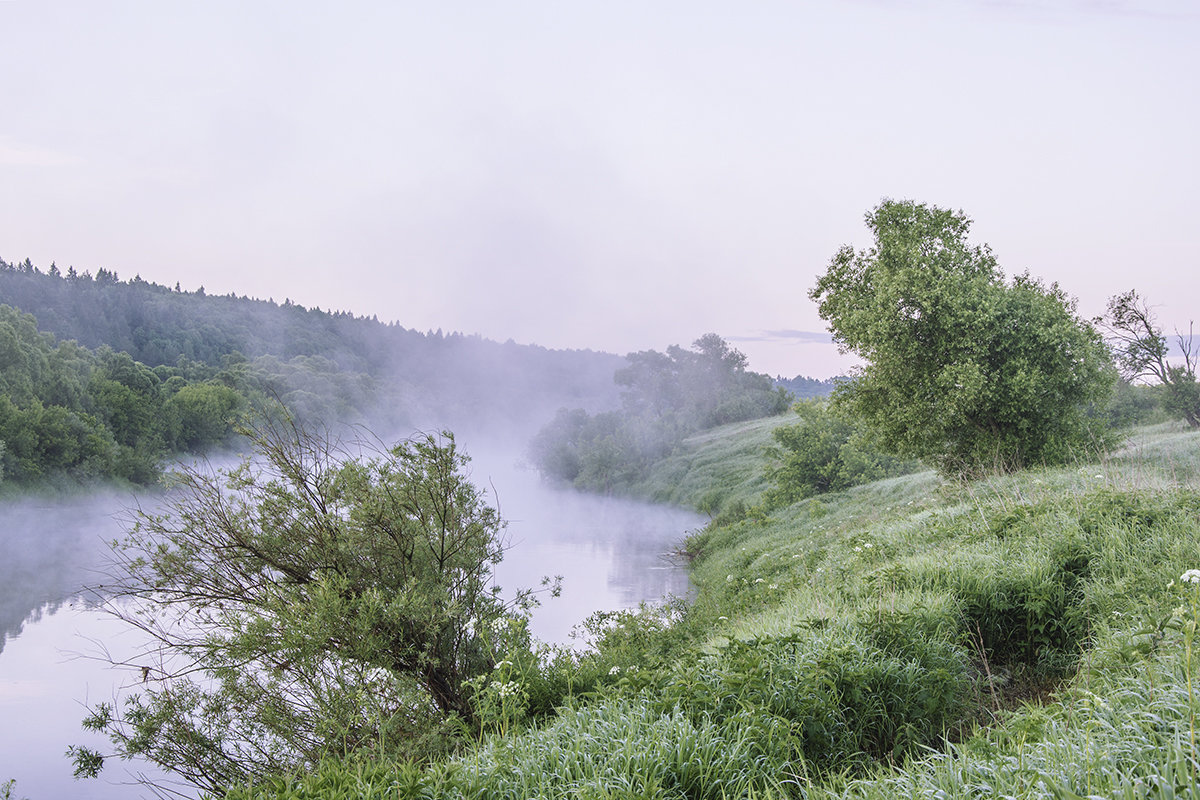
(1023, 636)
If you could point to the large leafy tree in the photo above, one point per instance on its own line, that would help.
(963, 368)
(314, 601)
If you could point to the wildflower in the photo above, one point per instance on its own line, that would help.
(505, 663)
(1101, 477)
(868, 545)
(1191, 576)
(614, 671)
(728, 578)
(758, 580)
(773, 586)
(857, 549)
(722, 618)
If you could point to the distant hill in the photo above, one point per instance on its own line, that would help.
(407, 378)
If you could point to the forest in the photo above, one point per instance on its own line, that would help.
(93, 366)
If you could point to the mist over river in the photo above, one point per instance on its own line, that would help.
(611, 553)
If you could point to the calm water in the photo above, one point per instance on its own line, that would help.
(612, 554)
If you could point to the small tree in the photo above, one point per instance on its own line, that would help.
(312, 601)
(1141, 352)
(964, 369)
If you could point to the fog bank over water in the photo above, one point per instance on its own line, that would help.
(50, 549)
(612, 553)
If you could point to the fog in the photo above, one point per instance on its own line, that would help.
(50, 550)
(611, 553)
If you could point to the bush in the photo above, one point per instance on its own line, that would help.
(824, 452)
(839, 698)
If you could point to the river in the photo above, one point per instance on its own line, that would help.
(611, 553)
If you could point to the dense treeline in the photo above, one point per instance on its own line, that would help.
(69, 410)
(328, 364)
(803, 387)
(665, 398)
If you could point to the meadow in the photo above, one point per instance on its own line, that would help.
(1027, 635)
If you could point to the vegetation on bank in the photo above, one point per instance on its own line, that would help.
(321, 363)
(963, 369)
(860, 628)
(665, 398)
(1027, 635)
(86, 414)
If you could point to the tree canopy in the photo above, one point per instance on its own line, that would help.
(964, 369)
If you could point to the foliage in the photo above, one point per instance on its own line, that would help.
(824, 452)
(803, 387)
(1136, 404)
(964, 369)
(1141, 352)
(66, 410)
(666, 397)
(316, 600)
(323, 364)
(848, 640)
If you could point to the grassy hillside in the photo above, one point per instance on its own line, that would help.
(1029, 635)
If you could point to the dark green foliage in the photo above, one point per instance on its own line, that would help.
(324, 364)
(666, 397)
(1136, 404)
(66, 410)
(824, 452)
(964, 369)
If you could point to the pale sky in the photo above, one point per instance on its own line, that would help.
(609, 175)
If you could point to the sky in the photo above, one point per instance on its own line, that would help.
(612, 175)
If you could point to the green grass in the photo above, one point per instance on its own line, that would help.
(1024, 636)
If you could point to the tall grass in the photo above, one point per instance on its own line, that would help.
(1020, 636)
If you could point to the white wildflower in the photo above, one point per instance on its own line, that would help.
(1191, 576)
(758, 580)
(773, 586)
(614, 671)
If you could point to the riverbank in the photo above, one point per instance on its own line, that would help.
(1027, 635)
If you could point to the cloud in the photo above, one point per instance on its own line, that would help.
(786, 335)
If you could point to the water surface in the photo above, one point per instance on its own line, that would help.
(611, 553)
